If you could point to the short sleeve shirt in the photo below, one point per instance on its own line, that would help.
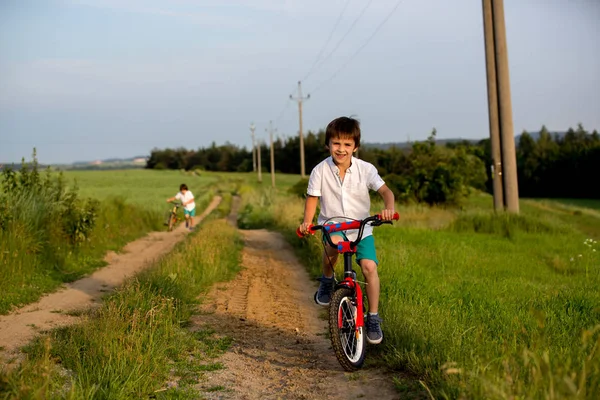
(186, 197)
(348, 198)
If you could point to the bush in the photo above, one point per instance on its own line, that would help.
(299, 189)
(44, 203)
(437, 175)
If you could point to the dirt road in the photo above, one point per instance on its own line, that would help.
(280, 349)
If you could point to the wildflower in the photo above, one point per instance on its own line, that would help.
(572, 259)
(580, 255)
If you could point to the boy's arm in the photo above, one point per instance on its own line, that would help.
(170, 199)
(310, 207)
(388, 200)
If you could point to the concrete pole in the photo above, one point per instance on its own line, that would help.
(252, 128)
(507, 136)
(299, 99)
(258, 166)
(490, 62)
(272, 154)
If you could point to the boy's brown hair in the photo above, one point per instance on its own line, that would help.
(343, 127)
(183, 186)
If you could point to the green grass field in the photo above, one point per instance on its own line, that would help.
(131, 204)
(484, 306)
(476, 305)
(147, 189)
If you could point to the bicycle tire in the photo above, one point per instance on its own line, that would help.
(349, 344)
(172, 222)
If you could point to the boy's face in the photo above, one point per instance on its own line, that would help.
(183, 191)
(341, 149)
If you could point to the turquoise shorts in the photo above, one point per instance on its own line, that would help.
(190, 213)
(364, 250)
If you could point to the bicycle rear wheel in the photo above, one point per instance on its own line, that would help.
(348, 341)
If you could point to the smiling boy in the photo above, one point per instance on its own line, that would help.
(341, 184)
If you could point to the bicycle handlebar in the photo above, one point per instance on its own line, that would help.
(343, 226)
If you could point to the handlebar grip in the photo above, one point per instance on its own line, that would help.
(300, 234)
(396, 216)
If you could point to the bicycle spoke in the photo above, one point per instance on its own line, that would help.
(347, 340)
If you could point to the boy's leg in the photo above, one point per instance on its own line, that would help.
(367, 259)
(330, 256)
(192, 215)
(327, 281)
(369, 270)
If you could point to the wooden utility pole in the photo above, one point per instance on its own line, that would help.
(493, 10)
(300, 99)
(252, 128)
(259, 166)
(490, 62)
(272, 154)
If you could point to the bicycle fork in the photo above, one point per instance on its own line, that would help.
(351, 283)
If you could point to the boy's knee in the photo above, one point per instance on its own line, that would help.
(368, 266)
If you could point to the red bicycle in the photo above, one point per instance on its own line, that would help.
(346, 308)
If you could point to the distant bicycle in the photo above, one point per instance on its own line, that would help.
(172, 217)
(346, 308)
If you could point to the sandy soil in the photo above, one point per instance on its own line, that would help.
(280, 348)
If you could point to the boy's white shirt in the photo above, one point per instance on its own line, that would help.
(186, 197)
(349, 198)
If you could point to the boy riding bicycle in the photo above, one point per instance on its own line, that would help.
(341, 183)
(187, 201)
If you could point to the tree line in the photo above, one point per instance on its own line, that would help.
(549, 165)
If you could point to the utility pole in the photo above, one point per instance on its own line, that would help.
(259, 166)
(300, 99)
(272, 154)
(501, 111)
(252, 128)
(490, 62)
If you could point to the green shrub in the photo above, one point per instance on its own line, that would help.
(299, 189)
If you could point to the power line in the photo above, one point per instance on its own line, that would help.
(327, 41)
(283, 110)
(341, 40)
(360, 48)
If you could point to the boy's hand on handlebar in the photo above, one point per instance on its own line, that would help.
(303, 228)
(387, 215)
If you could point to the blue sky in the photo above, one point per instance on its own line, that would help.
(94, 79)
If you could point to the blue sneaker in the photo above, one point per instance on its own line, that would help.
(323, 295)
(374, 332)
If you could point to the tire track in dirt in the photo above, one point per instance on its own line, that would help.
(51, 311)
(280, 348)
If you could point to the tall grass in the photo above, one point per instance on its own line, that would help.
(136, 344)
(51, 234)
(479, 305)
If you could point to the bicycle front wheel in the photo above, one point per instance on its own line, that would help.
(347, 339)
(172, 222)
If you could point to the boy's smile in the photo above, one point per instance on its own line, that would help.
(341, 151)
